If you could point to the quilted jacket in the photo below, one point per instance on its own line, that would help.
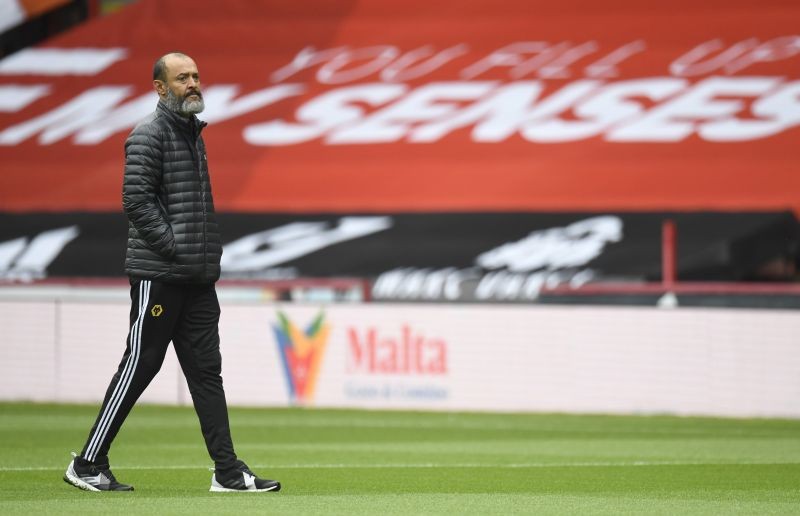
(173, 235)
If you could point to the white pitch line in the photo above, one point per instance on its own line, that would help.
(319, 422)
(521, 465)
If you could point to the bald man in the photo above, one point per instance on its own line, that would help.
(173, 258)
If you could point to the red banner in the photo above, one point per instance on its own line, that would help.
(426, 106)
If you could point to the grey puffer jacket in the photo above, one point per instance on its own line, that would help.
(173, 235)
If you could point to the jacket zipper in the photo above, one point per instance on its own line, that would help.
(203, 203)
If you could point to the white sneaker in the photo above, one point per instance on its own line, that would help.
(241, 479)
(91, 476)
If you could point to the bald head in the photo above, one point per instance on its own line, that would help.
(160, 67)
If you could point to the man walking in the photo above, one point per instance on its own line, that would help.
(173, 257)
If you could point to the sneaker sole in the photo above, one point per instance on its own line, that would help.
(215, 489)
(71, 478)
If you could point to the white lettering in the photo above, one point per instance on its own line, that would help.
(611, 105)
(691, 62)
(778, 112)
(295, 240)
(773, 50)
(61, 61)
(508, 56)
(401, 69)
(423, 104)
(677, 119)
(558, 68)
(574, 245)
(423, 284)
(735, 58)
(660, 109)
(123, 118)
(221, 104)
(93, 118)
(607, 66)
(9, 250)
(500, 115)
(305, 59)
(27, 261)
(379, 57)
(86, 109)
(539, 61)
(321, 114)
(385, 286)
(14, 97)
(537, 129)
(508, 111)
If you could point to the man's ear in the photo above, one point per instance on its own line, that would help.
(160, 87)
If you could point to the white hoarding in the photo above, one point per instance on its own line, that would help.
(434, 357)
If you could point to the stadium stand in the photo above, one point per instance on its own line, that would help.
(463, 160)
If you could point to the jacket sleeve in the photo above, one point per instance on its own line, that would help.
(140, 189)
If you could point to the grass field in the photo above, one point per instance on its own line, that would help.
(358, 462)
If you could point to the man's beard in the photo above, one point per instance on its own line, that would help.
(184, 106)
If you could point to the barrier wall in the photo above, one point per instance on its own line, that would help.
(439, 357)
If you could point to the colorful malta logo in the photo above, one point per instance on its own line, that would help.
(302, 353)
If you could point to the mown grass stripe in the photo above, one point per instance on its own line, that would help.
(430, 465)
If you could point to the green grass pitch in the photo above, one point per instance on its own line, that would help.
(382, 462)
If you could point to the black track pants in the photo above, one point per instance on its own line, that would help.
(187, 315)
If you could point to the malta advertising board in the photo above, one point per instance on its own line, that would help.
(513, 358)
(433, 357)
